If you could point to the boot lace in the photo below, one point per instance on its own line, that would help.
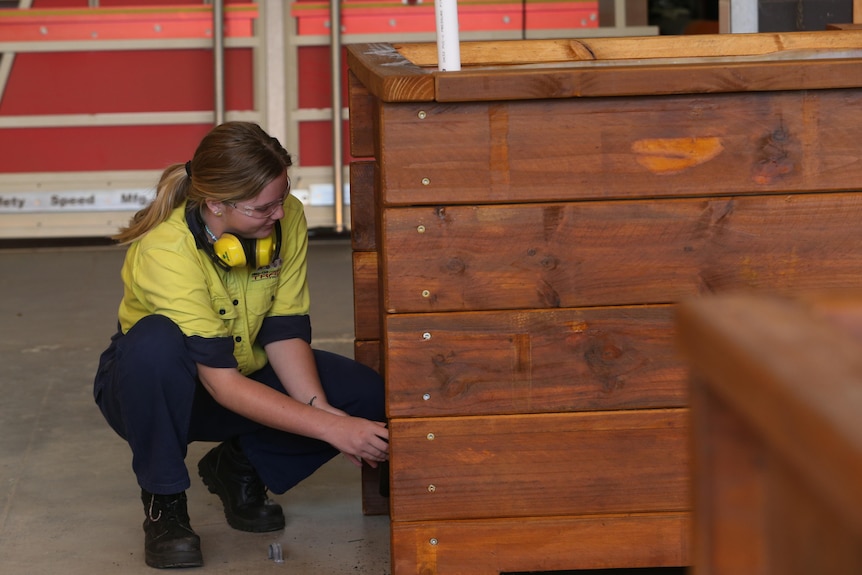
(169, 507)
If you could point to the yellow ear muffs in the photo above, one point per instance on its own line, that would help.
(264, 250)
(229, 249)
(237, 252)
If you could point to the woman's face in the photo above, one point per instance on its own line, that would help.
(256, 218)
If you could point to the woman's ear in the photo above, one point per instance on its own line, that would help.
(217, 208)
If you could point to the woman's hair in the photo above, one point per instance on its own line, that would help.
(233, 163)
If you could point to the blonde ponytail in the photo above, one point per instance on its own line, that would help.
(172, 190)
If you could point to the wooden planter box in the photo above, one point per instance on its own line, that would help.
(523, 230)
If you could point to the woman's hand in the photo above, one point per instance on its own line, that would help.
(357, 438)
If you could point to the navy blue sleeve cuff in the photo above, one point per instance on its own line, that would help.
(285, 327)
(211, 351)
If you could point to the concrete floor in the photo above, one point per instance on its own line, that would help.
(69, 502)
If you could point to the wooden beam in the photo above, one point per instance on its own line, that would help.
(642, 48)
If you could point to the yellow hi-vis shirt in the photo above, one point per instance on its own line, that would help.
(218, 310)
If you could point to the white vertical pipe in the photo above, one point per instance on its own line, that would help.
(218, 60)
(337, 159)
(448, 47)
(620, 13)
(273, 22)
(737, 16)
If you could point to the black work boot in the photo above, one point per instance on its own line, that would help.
(228, 474)
(169, 540)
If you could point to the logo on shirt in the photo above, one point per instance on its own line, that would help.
(267, 272)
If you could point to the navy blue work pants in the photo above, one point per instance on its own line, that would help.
(148, 390)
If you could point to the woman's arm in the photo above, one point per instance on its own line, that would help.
(359, 439)
(293, 362)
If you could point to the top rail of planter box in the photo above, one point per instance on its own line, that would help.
(598, 67)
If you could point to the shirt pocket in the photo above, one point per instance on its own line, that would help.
(225, 308)
(260, 296)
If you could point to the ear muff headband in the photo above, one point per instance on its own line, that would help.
(196, 226)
